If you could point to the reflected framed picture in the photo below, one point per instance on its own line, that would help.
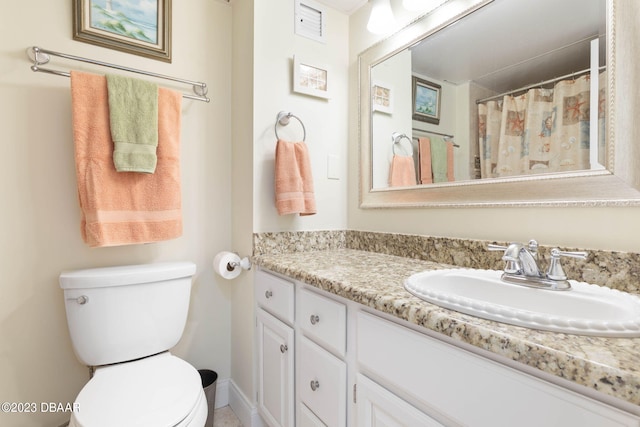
(382, 97)
(141, 27)
(309, 78)
(426, 100)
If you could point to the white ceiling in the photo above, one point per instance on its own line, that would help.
(509, 44)
(345, 6)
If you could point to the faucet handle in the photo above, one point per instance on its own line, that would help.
(512, 265)
(556, 272)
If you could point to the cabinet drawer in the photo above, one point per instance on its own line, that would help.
(275, 295)
(324, 320)
(322, 383)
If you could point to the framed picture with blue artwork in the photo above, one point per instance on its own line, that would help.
(141, 27)
(426, 100)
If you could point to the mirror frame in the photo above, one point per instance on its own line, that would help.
(618, 185)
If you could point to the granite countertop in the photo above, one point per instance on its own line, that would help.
(608, 365)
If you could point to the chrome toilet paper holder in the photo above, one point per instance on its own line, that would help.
(244, 263)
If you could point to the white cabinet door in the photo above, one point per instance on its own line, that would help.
(275, 370)
(307, 418)
(377, 407)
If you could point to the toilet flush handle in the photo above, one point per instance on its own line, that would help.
(82, 299)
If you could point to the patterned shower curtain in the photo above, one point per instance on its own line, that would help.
(540, 131)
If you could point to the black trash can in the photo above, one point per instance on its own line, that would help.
(209, 379)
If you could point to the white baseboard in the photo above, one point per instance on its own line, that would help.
(244, 408)
(222, 393)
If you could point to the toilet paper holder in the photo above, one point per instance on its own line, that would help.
(244, 263)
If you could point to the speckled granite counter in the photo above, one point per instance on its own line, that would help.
(608, 365)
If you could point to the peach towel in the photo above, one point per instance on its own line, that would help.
(293, 179)
(402, 172)
(424, 150)
(120, 208)
(450, 170)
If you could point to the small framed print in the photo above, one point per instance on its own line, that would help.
(310, 79)
(141, 27)
(426, 100)
(382, 97)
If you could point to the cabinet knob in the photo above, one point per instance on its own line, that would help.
(268, 294)
(314, 319)
(314, 385)
(283, 348)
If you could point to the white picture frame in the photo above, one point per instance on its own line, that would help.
(310, 78)
(382, 97)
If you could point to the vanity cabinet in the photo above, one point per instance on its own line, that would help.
(457, 387)
(355, 367)
(301, 340)
(276, 349)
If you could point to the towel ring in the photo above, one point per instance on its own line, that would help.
(283, 120)
(397, 138)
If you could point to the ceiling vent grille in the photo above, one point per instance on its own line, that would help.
(310, 20)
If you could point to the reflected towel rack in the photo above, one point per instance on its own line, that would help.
(396, 138)
(283, 120)
(41, 56)
(444, 135)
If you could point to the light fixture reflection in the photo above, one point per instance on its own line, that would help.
(417, 4)
(381, 19)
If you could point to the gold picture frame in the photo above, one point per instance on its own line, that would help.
(125, 25)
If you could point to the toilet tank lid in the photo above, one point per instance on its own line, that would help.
(125, 275)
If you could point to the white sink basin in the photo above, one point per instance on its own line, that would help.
(584, 310)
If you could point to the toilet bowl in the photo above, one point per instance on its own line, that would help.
(123, 321)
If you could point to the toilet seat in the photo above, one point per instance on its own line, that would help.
(157, 391)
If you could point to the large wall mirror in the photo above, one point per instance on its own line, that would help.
(502, 102)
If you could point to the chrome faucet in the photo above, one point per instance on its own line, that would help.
(522, 266)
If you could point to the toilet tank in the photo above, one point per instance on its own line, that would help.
(116, 314)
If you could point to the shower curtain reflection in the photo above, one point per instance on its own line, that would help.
(541, 130)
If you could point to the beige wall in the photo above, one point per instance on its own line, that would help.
(242, 104)
(611, 228)
(263, 47)
(40, 235)
(325, 121)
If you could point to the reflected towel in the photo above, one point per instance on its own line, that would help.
(133, 116)
(424, 151)
(293, 179)
(450, 170)
(120, 208)
(442, 160)
(402, 172)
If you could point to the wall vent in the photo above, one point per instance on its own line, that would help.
(310, 20)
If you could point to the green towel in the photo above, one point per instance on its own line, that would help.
(439, 159)
(133, 115)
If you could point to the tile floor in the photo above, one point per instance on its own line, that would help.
(224, 417)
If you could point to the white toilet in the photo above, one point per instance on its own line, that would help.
(123, 320)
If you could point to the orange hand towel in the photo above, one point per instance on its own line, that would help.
(424, 150)
(293, 179)
(450, 169)
(120, 208)
(402, 172)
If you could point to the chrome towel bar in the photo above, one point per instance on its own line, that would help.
(41, 56)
